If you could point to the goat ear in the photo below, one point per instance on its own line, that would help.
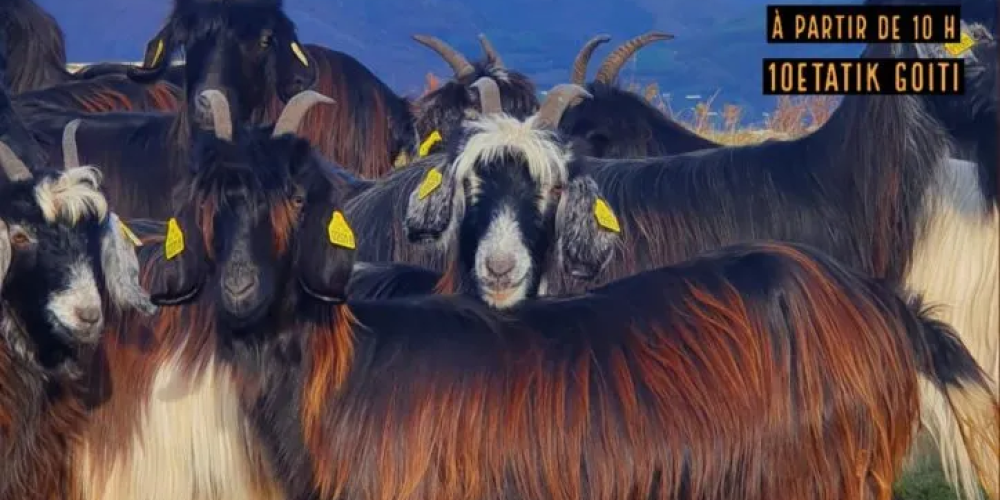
(296, 69)
(156, 60)
(429, 211)
(325, 251)
(6, 254)
(587, 227)
(182, 263)
(120, 266)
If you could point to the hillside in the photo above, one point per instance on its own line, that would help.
(718, 47)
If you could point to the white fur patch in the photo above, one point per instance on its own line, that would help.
(79, 297)
(503, 239)
(191, 445)
(71, 196)
(955, 265)
(489, 137)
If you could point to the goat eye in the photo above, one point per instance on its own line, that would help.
(298, 200)
(20, 239)
(556, 191)
(265, 39)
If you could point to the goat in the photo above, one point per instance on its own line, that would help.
(33, 53)
(173, 424)
(368, 129)
(625, 392)
(617, 123)
(873, 187)
(246, 50)
(443, 109)
(65, 264)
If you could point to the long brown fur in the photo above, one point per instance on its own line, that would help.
(133, 351)
(39, 421)
(723, 396)
(361, 132)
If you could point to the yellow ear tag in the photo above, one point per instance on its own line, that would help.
(605, 217)
(402, 160)
(340, 233)
(431, 182)
(299, 54)
(429, 142)
(129, 234)
(174, 244)
(158, 53)
(964, 44)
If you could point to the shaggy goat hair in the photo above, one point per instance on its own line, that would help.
(617, 123)
(241, 50)
(33, 52)
(736, 375)
(65, 264)
(442, 110)
(257, 61)
(104, 94)
(874, 187)
(172, 422)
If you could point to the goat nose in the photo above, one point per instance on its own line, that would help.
(500, 265)
(240, 286)
(89, 315)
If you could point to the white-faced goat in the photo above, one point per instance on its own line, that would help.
(874, 187)
(65, 264)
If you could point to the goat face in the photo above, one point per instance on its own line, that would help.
(51, 228)
(256, 205)
(502, 193)
(503, 233)
(247, 50)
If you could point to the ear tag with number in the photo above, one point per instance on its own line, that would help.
(158, 54)
(129, 234)
(429, 142)
(605, 217)
(431, 182)
(174, 244)
(299, 54)
(965, 43)
(340, 232)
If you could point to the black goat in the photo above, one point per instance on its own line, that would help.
(555, 392)
(617, 123)
(170, 381)
(874, 187)
(442, 110)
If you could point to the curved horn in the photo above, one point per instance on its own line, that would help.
(15, 169)
(222, 119)
(583, 58)
(556, 102)
(459, 64)
(295, 110)
(489, 95)
(608, 71)
(491, 52)
(71, 154)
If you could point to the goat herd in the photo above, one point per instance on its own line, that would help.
(261, 274)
